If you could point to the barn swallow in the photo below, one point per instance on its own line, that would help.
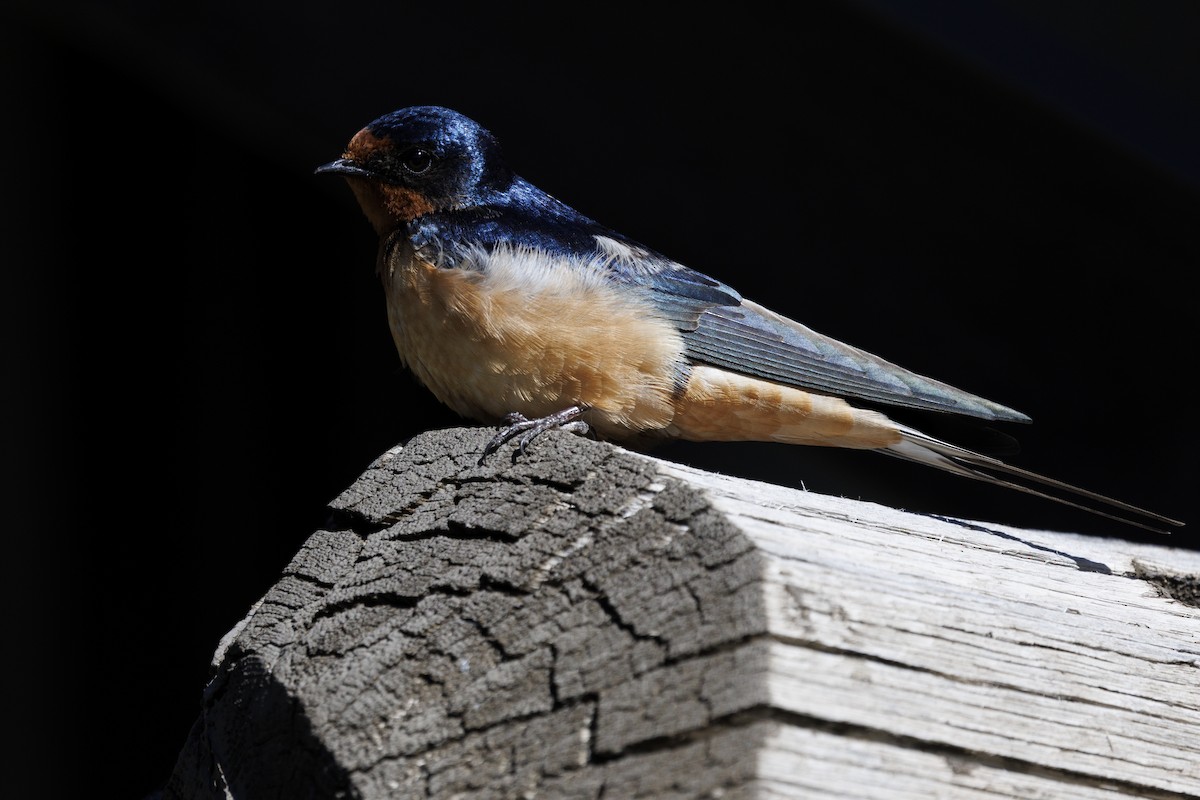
(513, 308)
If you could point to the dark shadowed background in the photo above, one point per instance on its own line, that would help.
(1002, 195)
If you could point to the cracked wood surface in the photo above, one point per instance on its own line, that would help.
(592, 623)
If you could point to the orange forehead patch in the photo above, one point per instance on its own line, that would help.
(364, 143)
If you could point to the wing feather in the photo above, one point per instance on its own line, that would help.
(753, 340)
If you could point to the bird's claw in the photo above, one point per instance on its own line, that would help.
(530, 429)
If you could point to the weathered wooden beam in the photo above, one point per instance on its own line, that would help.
(589, 622)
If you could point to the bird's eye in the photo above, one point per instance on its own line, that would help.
(416, 160)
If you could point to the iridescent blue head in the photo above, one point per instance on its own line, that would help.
(422, 159)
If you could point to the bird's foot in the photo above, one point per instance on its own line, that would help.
(530, 429)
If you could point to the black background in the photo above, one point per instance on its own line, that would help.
(1002, 195)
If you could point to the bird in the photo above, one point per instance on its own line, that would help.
(514, 309)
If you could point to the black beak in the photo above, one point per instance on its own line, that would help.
(343, 167)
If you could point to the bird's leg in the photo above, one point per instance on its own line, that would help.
(530, 429)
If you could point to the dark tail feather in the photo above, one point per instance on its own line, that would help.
(924, 449)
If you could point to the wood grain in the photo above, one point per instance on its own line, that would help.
(592, 623)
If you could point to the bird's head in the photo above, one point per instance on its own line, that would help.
(418, 160)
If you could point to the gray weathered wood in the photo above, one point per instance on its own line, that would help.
(589, 622)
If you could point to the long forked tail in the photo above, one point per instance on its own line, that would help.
(925, 449)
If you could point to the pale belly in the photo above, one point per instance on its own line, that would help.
(491, 343)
